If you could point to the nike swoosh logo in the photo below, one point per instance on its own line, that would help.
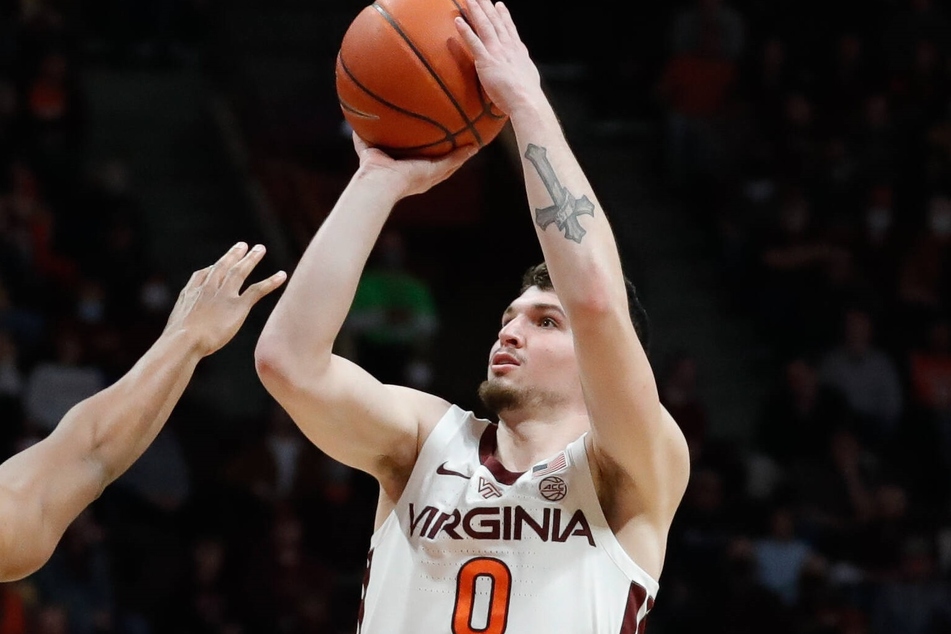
(442, 470)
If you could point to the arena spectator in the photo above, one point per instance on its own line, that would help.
(866, 376)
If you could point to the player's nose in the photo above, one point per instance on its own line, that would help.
(510, 335)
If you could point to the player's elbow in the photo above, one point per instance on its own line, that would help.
(281, 368)
(271, 364)
(24, 548)
(17, 567)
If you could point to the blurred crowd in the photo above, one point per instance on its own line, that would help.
(202, 534)
(812, 140)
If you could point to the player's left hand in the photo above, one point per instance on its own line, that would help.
(413, 175)
(509, 76)
(211, 307)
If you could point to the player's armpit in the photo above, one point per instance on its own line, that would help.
(651, 491)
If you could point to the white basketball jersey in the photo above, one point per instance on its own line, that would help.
(472, 548)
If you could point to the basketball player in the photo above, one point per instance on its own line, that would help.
(45, 487)
(555, 519)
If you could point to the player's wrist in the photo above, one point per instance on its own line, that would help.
(531, 110)
(186, 341)
(384, 181)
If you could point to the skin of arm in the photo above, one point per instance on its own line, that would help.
(45, 487)
(638, 448)
(341, 408)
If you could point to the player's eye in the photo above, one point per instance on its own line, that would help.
(547, 322)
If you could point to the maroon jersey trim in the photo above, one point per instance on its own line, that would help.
(487, 446)
(635, 599)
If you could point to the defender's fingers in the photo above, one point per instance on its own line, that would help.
(255, 292)
(197, 278)
(224, 264)
(241, 269)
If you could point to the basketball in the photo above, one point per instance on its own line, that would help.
(407, 83)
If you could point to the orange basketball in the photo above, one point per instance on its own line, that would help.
(407, 83)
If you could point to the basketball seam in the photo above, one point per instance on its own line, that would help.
(453, 139)
(449, 135)
(396, 27)
(353, 109)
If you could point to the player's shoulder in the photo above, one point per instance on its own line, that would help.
(428, 409)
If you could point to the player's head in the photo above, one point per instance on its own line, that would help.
(533, 363)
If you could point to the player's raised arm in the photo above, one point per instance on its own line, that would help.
(630, 430)
(341, 408)
(44, 488)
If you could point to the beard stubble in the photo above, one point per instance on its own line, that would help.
(499, 398)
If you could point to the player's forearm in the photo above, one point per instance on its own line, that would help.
(113, 428)
(44, 488)
(574, 232)
(307, 319)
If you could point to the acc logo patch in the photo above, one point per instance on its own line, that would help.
(553, 488)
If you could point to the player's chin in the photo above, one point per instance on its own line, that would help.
(498, 394)
(499, 383)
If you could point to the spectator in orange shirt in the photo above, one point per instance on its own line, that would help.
(696, 85)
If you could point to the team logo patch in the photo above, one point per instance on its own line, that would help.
(553, 488)
(488, 489)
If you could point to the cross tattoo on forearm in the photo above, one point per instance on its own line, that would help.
(564, 213)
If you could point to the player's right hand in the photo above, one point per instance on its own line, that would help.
(506, 71)
(412, 175)
(211, 308)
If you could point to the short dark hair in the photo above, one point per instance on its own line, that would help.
(538, 276)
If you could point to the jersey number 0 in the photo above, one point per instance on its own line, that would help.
(496, 614)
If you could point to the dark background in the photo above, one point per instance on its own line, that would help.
(778, 175)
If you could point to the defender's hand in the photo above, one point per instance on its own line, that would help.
(211, 307)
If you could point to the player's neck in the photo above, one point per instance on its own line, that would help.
(523, 441)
